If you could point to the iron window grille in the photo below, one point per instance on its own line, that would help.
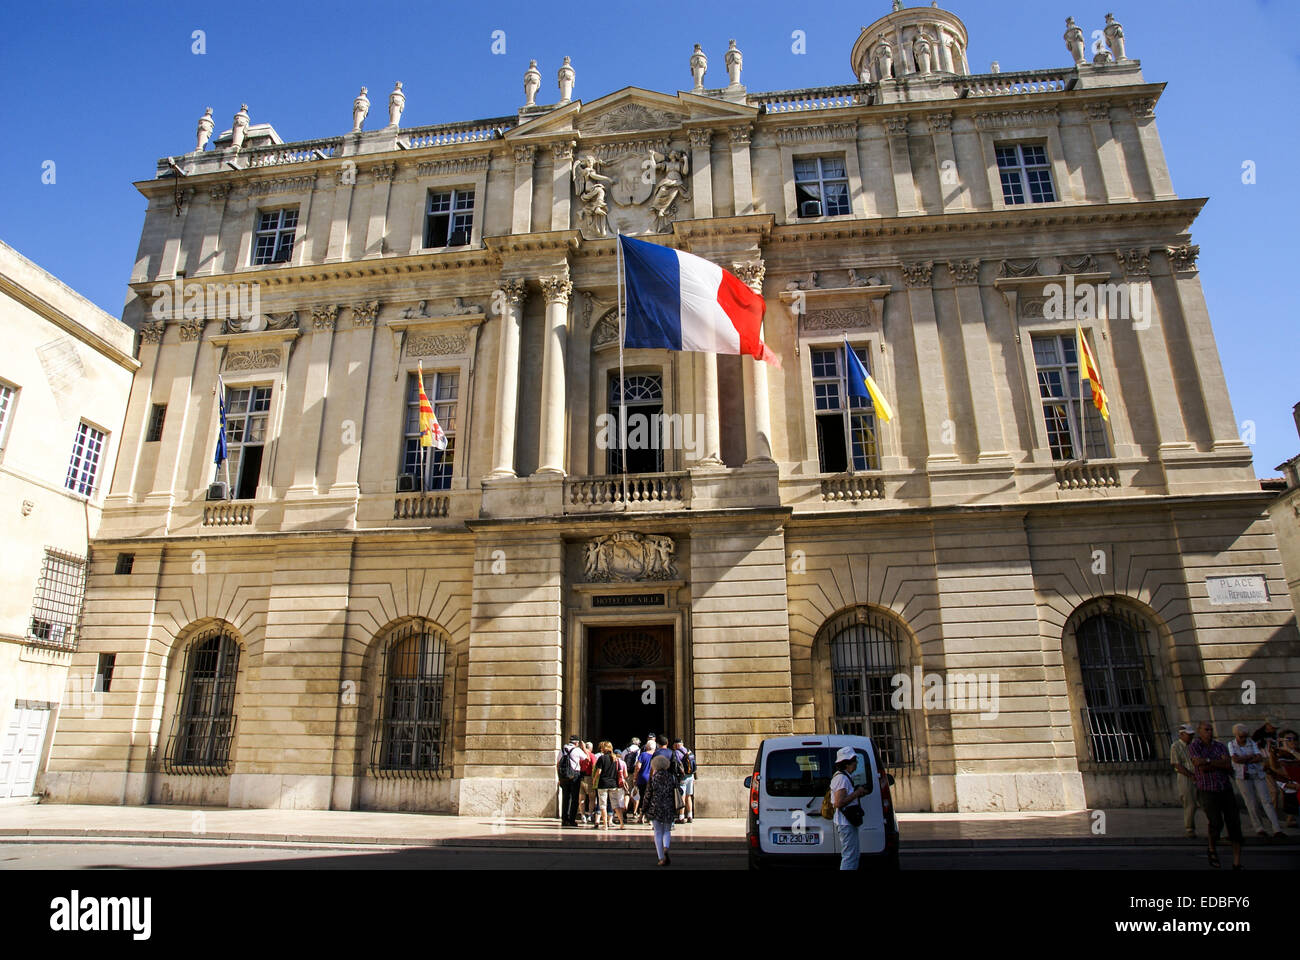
(434, 467)
(867, 651)
(247, 414)
(840, 416)
(1122, 721)
(413, 732)
(56, 608)
(273, 240)
(643, 395)
(449, 218)
(87, 449)
(1024, 169)
(821, 187)
(203, 732)
(157, 414)
(1057, 361)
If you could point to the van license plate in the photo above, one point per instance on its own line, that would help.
(809, 838)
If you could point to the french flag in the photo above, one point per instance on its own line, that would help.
(678, 301)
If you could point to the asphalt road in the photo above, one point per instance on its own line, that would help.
(82, 855)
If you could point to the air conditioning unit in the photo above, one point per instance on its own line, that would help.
(810, 208)
(283, 255)
(220, 490)
(458, 239)
(406, 483)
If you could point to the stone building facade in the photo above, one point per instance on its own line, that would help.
(65, 374)
(356, 625)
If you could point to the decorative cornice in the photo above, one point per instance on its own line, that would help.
(151, 331)
(1009, 119)
(262, 323)
(456, 165)
(1027, 267)
(965, 271)
(816, 134)
(556, 289)
(325, 316)
(1134, 262)
(918, 274)
(366, 313)
(260, 188)
(1183, 258)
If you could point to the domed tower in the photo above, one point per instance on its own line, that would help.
(911, 42)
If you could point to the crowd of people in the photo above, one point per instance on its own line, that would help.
(1265, 765)
(651, 782)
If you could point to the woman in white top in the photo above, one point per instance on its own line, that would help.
(843, 794)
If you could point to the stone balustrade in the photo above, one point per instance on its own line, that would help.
(814, 98)
(468, 131)
(232, 514)
(303, 151)
(1010, 84)
(852, 488)
(420, 506)
(1087, 476)
(648, 491)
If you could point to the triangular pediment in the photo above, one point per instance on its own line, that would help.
(632, 110)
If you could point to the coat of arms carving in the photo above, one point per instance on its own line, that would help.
(629, 556)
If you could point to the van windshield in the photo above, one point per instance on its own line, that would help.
(805, 772)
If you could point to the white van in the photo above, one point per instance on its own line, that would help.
(790, 778)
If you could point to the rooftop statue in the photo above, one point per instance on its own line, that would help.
(396, 101)
(1115, 37)
(239, 127)
(360, 108)
(699, 64)
(565, 77)
(734, 62)
(1074, 41)
(532, 83)
(205, 130)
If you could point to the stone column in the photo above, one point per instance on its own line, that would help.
(707, 367)
(523, 208)
(562, 174)
(1144, 116)
(511, 298)
(758, 403)
(929, 358)
(901, 161)
(701, 174)
(557, 290)
(1109, 154)
(741, 178)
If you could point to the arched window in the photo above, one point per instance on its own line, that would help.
(1121, 717)
(414, 728)
(643, 395)
(204, 729)
(867, 650)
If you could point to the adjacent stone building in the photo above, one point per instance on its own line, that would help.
(65, 373)
(1015, 597)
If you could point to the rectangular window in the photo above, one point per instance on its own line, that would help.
(273, 241)
(87, 449)
(1058, 386)
(247, 412)
(846, 426)
(449, 218)
(125, 564)
(6, 407)
(431, 467)
(104, 672)
(821, 187)
(156, 417)
(643, 395)
(56, 608)
(1025, 171)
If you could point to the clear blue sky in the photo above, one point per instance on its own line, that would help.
(104, 89)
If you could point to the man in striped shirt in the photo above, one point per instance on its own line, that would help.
(1213, 768)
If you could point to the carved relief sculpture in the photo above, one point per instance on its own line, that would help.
(921, 49)
(672, 169)
(629, 556)
(885, 57)
(589, 184)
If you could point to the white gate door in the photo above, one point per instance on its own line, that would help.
(20, 752)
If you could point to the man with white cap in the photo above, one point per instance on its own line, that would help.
(848, 810)
(1181, 761)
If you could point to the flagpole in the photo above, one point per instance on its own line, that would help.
(622, 400)
(1083, 438)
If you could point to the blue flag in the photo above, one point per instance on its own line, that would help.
(855, 373)
(220, 458)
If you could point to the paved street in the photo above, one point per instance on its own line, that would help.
(69, 855)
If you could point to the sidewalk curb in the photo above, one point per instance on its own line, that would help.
(573, 842)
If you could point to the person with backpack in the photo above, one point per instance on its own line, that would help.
(587, 793)
(568, 770)
(661, 805)
(846, 801)
(687, 761)
(641, 774)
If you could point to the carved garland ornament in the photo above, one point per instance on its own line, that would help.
(842, 319)
(629, 556)
(437, 345)
(253, 360)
